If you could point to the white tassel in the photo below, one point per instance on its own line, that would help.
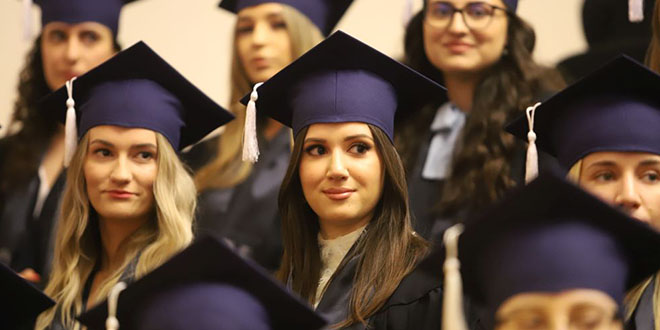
(532, 163)
(112, 323)
(453, 317)
(250, 142)
(27, 20)
(635, 10)
(70, 129)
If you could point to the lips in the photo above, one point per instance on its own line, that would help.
(458, 46)
(260, 62)
(120, 194)
(338, 193)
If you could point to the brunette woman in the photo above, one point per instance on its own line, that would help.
(238, 198)
(76, 36)
(129, 202)
(457, 157)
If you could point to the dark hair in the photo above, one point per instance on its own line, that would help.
(653, 53)
(481, 165)
(26, 146)
(389, 242)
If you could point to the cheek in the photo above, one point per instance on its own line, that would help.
(96, 54)
(432, 46)
(604, 192)
(283, 43)
(146, 177)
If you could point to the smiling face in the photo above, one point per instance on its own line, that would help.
(120, 169)
(628, 180)
(584, 309)
(341, 174)
(262, 41)
(459, 49)
(70, 50)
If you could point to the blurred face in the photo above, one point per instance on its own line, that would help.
(341, 173)
(120, 169)
(70, 50)
(262, 41)
(580, 309)
(468, 43)
(628, 180)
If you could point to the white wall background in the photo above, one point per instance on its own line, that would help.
(194, 36)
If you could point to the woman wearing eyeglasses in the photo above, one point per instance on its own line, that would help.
(482, 52)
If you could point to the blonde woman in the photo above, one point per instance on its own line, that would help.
(268, 36)
(129, 202)
(604, 132)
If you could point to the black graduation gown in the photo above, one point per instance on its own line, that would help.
(247, 214)
(415, 304)
(25, 240)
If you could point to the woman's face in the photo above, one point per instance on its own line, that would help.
(628, 180)
(70, 50)
(120, 168)
(455, 47)
(262, 41)
(341, 173)
(579, 309)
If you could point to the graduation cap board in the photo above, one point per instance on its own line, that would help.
(207, 264)
(325, 14)
(615, 108)
(551, 236)
(22, 302)
(105, 12)
(137, 89)
(341, 80)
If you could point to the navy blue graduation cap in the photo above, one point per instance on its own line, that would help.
(105, 12)
(21, 301)
(206, 273)
(551, 236)
(325, 14)
(512, 4)
(137, 89)
(342, 80)
(615, 108)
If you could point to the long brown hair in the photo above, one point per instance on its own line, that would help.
(227, 169)
(481, 164)
(653, 54)
(388, 251)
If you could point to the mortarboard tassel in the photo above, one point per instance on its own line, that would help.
(112, 323)
(636, 10)
(27, 20)
(250, 142)
(532, 163)
(70, 129)
(453, 317)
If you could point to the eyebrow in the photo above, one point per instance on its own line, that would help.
(603, 163)
(135, 146)
(649, 162)
(277, 15)
(348, 138)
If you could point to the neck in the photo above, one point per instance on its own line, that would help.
(460, 89)
(113, 233)
(330, 230)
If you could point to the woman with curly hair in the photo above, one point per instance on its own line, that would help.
(268, 36)
(456, 154)
(76, 36)
(129, 201)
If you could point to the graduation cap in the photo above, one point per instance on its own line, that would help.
(22, 302)
(325, 14)
(512, 4)
(551, 236)
(137, 89)
(237, 289)
(339, 80)
(615, 108)
(105, 12)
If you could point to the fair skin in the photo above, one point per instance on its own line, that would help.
(628, 180)
(67, 51)
(263, 46)
(463, 53)
(579, 309)
(120, 169)
(341, 174)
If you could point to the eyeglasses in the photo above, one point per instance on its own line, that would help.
(476, 15)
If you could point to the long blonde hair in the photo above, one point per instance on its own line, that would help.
(77, 246)
(227, 169)
(633, 295)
